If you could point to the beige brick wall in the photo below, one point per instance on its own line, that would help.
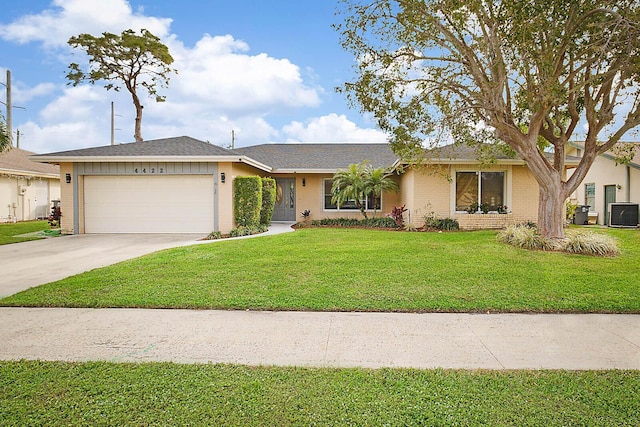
(524, 195)
(426, 190)
(431, 189)
(485, 221)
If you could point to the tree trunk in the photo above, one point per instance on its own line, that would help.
(138, 126)
(551, 211)
(364, 212)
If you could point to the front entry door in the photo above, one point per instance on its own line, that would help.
(285, 208)
(609, 197)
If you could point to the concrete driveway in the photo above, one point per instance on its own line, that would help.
(34, 263)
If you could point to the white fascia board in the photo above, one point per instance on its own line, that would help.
(164, 159)
(511, 162)
(302, 170)
(254, 163)
(30, 173)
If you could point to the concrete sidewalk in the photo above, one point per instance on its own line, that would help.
(371, 340)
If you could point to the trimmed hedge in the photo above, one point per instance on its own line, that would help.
(382, 222)
(268, 200)
(247, 201)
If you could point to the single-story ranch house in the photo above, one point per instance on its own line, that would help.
(27, 188)
(185, 185)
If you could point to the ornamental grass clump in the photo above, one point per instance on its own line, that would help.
(525, 237)
(588, 243)
(575, 242)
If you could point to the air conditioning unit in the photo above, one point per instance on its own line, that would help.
(623, 214)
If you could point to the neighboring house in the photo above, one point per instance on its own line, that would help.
(607, 182)
(27, 188)
(185, 185)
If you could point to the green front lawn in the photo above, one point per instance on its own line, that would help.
(347, 269)
(74, 394)
(9, 231)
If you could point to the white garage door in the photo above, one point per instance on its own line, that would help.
(148, 204)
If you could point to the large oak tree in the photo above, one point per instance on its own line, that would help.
(526, 73)
(128, 60)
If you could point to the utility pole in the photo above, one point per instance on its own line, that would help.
(113, 124)
(233, 139)
(9, 107)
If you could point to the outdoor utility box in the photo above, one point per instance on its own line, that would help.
(581, 215)
(623, 215)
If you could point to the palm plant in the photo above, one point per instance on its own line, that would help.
(377, 181)
(359, 181)
(348, 185)
(5, 141)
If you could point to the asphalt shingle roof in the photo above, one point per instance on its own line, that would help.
(17, 159)
(289, 156)
(178, 146)
(319, 156)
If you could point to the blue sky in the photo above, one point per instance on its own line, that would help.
(266, 69)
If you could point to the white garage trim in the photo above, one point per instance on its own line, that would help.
(149, 204)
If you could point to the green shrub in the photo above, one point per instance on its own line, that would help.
(449, 224)
(214, 235)
(588, 243)
(383, 222)
(442, 224)
(247, 231)
(268, 200)
(247, 201)
(571, 209)
(433, 222)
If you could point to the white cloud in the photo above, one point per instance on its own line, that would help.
(220, 86)
(331, 128)
(22, 94)
(76, 103)
(56, 137)
(218, 72)
(53, 27)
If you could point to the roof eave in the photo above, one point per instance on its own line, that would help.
(512, 162)
(305, 170)
(30, 173)
(43, 158)
(249, 161)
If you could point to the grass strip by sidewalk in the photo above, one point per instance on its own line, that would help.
(9, 232)
(359, 270)
(100, 393)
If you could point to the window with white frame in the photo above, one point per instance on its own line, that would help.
(590, 195)
(371, 202)
(475, 190)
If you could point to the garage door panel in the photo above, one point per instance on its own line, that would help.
(149, 204)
